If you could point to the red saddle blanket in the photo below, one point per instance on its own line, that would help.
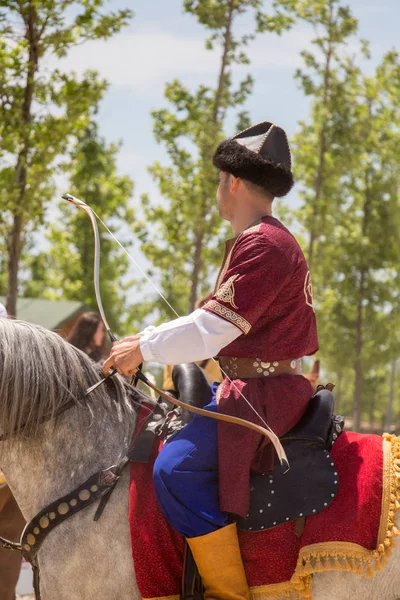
(352, 534)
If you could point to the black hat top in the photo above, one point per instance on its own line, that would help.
(267, 140)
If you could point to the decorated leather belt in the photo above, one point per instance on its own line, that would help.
(247, 368)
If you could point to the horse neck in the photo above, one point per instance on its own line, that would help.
(63, 458)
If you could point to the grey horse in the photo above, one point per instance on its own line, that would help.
(46, 455)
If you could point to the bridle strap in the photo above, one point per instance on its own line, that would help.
(98, 487)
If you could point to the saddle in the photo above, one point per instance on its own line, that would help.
(308, 487)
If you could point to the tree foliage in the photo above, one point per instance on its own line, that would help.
(347, 165)
(42, 109)
(182, 237)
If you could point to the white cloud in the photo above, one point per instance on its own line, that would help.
(139, 61)
(269, 51)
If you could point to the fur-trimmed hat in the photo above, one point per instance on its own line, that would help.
(260, 154)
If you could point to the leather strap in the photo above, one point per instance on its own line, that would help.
(299, 525)
(248, 368)
(94, 488)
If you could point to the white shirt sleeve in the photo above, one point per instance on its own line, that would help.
(198, 336)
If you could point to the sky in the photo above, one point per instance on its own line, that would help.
(162, 44)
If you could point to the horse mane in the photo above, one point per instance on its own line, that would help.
(40, 372)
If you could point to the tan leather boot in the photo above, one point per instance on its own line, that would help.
(220, 565)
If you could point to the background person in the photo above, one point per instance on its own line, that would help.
(88, 335)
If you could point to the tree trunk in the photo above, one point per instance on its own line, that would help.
(389, 410)
(21, 169)
(197, 264)
(315, 230)
(197, 256)
(14, 253)
(358, 369)
(224, 62)
(338, 392)
(371, 412)
(319, 180)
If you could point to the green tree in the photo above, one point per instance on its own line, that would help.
(346, 161)
(66, 270)
(323, 142)
(371, 241)
(357, 279)
(182, 236)
(41, 111)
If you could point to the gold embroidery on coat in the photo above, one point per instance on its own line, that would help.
(229, 315)
(226, 292)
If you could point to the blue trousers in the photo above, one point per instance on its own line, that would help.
(186, 477)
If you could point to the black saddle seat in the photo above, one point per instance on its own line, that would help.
(316, 422)
(192, 387)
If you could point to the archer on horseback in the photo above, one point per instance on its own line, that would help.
(260, 322)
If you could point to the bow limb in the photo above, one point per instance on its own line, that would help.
(268, 433)
(89, 212)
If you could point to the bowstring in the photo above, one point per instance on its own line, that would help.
(178, 316)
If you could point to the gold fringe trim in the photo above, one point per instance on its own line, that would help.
(283, 591)
(386, 488)
(345, 556)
